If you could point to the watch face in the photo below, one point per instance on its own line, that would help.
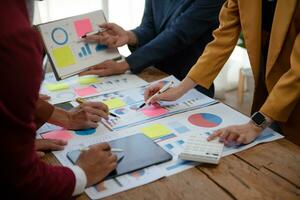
(258, 118)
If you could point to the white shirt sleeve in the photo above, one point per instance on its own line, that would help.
(81, 180)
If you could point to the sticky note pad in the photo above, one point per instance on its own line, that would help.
(63, 56)
(114, 103)
(154, 110)
(88, 80)
(155, 131)
(57, 86)
(86, 91)
(58, 135)
(83, 26)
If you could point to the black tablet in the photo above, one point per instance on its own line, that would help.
(139, 152)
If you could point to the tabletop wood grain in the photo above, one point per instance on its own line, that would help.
(266, 171)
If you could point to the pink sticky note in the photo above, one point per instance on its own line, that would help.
(154, 110)
(85, 91)
(83, 26)
(58, 135)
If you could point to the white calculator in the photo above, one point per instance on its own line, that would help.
(197, 148)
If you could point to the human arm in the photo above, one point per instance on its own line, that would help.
(23, 170)
(42, 145)
(23, 173)
(286, 92)
(113, 36)
(194, 19)
(86, 115)
(215, 55)
(198, 19)
(116, 36)
(275, 108)
(43, 112)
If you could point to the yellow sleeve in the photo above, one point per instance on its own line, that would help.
(286, 93)
(218, 51)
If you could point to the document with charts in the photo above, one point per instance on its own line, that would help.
(171, 133)
(125, 104)
(115, 185)
(85, 86)
(69, 54)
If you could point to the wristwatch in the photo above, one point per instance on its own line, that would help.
(260, 120)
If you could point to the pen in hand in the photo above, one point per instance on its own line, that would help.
(81, 101)
(163, 89)
(93, 33)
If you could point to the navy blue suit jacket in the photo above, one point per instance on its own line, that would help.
(173, 41)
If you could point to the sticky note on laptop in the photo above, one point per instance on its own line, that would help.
(114, 103)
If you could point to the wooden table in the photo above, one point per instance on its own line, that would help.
(267, 171)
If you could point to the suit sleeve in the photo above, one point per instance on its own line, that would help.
(23, 174)
(219, 50)
(192, 23)
(286, 93)
(146, 31)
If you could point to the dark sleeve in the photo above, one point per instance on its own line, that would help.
(195, 21)
(146, 31)
(43, 112)
(23, 174)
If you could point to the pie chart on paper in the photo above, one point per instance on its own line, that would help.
(205, 120)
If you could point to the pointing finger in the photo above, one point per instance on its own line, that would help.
(214, 135)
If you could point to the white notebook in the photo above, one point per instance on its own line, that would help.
(68, 53)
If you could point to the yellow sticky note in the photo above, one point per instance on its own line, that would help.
(88, 80)
(57, 86)
(114, 103)
(63, 56)
(155, 131)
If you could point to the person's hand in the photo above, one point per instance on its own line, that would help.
(113, 36)
(44, 97)
(171, 94)
(87, 115)
(239, 134)
(97, 162)
(42, 145)
(107, 68)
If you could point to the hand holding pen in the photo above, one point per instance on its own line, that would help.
(97, 162)
(112, 36)
(112, 150)
(93, 33)
(86, 115)
(151, 94)
(81, 101)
